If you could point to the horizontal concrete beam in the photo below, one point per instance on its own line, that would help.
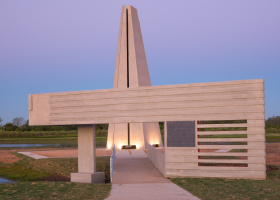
(200, 101)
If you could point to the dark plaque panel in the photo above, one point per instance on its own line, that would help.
(181, 134)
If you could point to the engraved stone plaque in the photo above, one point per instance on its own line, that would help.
(181, 134)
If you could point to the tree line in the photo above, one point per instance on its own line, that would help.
(19, 124)
(272, 125)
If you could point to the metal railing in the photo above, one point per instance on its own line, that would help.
(112, 162)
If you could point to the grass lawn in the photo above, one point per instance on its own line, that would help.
(272, 137)
(45, 167)
(29, 172)
(54, 190)
(37, 138)
(219, 188)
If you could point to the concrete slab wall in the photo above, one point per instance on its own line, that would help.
(157, 158)
(204, 101)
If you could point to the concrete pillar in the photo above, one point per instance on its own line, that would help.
(86, 157)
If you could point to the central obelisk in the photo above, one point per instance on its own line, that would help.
(132, 71)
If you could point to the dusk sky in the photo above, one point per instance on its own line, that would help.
(65, 45)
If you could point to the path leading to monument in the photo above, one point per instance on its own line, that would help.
(69, 153)
(135, 177)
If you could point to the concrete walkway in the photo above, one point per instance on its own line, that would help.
(32, 155)
(135, 177)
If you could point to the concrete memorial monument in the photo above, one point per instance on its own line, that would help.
(133, 109)
(131, 71)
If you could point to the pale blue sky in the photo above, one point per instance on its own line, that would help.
(57, 46)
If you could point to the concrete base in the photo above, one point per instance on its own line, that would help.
(98, 177)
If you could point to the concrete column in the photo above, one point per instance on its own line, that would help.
(86, 149)
(86, 157)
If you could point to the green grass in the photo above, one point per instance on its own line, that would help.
(224, 136)
(238, 150)
(29, 171)
(224, 129)
(40, 168)
(37, 138)
(54, 190)
(217, 157)
(272, 137)
(37, 134)
(17, 172)
(219, 188)
(46, 134)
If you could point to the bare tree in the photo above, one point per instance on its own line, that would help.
(18, 121)
(1, 121)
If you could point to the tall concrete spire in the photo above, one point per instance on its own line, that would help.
(131, 71)
(138, 67)
(120, 79)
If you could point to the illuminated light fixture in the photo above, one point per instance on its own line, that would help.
(128, 146)
(155, 145)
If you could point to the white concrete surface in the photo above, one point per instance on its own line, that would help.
(135, 177)
(97, 177)
(130, 153)
(33, 155)
(155, 191)
(223, 150)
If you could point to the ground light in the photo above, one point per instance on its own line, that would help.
(128, 146)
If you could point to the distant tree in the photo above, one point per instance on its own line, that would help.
(18, 121)
(273, 121)
(0, 123)
(10, 127)
(26, 127)
(101, 126)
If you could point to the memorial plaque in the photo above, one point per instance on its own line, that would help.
(181, 134)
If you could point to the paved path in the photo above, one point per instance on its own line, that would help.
(32, 155)
(68, 153)
(135, 177)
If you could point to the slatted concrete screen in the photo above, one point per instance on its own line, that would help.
(228, 156)
(188, 102)
(230, 149)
